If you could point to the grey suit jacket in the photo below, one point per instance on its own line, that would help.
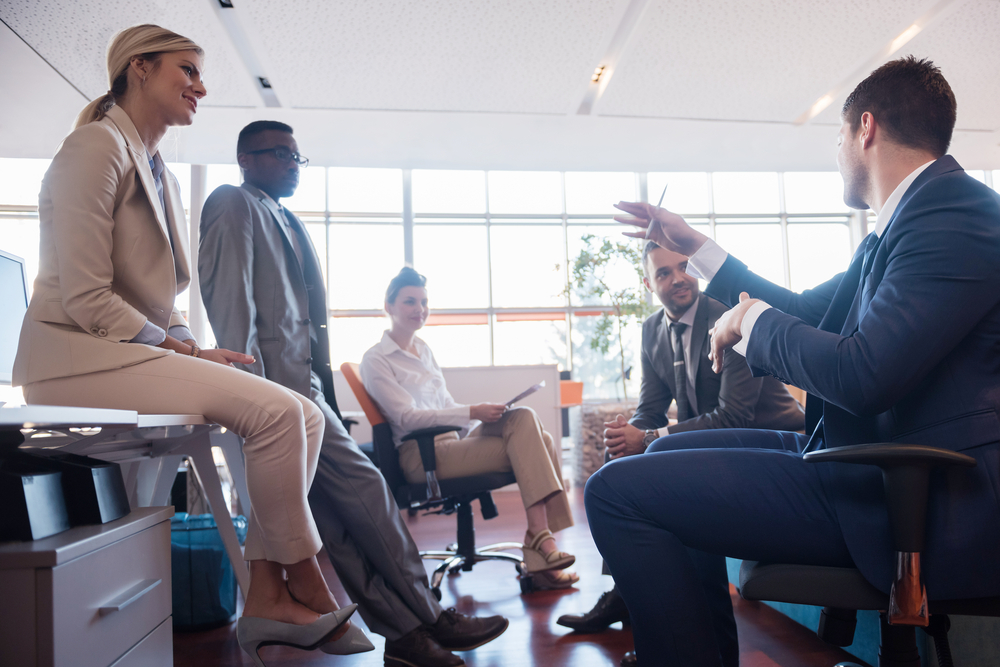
(259, 299)
(731, 399)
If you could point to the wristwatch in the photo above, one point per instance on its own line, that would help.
(651, 435)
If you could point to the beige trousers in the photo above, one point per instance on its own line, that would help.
(282, 433)
(516, 443)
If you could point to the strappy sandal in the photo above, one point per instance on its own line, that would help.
(536, 561)
(547, 580)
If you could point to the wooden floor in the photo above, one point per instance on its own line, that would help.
(767, 638)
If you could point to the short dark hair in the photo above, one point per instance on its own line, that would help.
(650, 247)
(406, 277)
(911, 100)
(255, 128)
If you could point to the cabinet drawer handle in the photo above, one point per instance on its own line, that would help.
(130, 596)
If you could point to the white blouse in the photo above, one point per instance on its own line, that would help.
(410, 389)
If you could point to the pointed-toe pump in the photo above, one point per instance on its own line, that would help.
(253, 632)
(353, 641)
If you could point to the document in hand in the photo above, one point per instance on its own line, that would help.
(524, 394)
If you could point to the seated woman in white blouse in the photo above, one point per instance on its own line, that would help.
(403, 378)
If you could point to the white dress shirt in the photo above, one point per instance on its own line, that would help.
(708, 259)
(410, 389)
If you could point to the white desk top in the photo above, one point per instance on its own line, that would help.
(54, 416)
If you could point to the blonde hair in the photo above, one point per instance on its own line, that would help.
(148, 41)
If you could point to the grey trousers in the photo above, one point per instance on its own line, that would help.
(365, 537)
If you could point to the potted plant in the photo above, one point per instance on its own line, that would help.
(610, 270)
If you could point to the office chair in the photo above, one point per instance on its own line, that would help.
(842, 591)
(449, 496)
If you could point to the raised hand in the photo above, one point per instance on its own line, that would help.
(665, 229)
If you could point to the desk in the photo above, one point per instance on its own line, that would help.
(149, 449)
(91, 596)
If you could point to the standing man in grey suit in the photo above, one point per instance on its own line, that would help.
(676, 368)
(264, 292)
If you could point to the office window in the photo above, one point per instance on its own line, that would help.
(366, 190)
(743, 192)
(449, 191)
(814, 192)
(497, 247)
(21, 181)
(350, 337)
(528, 264)
(459, 344)
(529, 338)
(221, 174)
(756, 243)
(182, 172)
(590, 192)
(531, 192)
(817, 251)
(687, 192)
(361, 260)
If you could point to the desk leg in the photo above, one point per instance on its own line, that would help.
(160, 494)
(199, 452)
(232, 447)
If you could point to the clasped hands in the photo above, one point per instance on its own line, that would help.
(669, 230)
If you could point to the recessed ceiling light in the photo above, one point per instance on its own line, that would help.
(598, 71)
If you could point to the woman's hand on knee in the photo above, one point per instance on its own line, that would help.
(226, 357)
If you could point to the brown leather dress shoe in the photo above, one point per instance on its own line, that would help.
(458, 632)
(610, 608)
(628, 660)
(418, 649)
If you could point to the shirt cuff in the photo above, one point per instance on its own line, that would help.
(707, 260)
(150, 334)
(663, 431)
(180, 332)
(746, 326)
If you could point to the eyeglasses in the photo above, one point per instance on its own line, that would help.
(283, 155)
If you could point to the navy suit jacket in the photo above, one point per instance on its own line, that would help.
(909, 355)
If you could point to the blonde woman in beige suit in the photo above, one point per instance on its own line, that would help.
(102, 330)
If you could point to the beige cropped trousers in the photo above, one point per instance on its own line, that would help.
(517, 443)
(282, 433)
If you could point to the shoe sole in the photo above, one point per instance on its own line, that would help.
(475, 646)
(590, 629)
(400, 662)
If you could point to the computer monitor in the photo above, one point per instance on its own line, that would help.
(13, 305)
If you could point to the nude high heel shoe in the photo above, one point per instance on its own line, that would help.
(253, 632)
(353, 641)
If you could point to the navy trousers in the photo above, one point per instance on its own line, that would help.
(665, 520)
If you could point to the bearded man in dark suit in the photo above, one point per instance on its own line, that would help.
(902, 347)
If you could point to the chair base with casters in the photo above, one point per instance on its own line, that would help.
(449, 496)
(843, 591)
(463, 554)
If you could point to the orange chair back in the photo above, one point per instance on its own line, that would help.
(353, 377)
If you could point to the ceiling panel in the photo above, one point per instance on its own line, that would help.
(509, 56)
(73, 35)
(960, 44)
(766, 60)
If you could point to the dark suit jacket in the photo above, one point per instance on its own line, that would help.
(259, 299)
(910, 355)
(731, 399)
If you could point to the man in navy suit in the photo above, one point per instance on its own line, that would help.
(902, 347)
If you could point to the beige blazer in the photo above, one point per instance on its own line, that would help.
(105, 261)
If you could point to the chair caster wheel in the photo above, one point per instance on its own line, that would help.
(527, 584)
(436, 592)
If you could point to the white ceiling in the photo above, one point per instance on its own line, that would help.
(696, 85)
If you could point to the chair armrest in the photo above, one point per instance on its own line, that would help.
(425, 441)
(906, 476)
(906, 471)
